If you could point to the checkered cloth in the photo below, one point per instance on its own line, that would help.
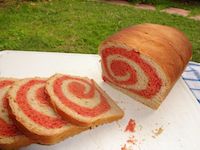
(191, 76)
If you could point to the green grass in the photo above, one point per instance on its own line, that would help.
(78, 26)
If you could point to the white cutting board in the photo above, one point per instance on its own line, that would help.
(178, 116)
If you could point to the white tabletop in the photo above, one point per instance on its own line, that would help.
(178, 116)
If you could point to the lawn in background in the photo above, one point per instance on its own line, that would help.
(78, 26)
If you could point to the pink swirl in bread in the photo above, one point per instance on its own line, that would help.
(81, 101)
(31, 108)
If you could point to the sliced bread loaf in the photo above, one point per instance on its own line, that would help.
(144, 61)
(34, 115)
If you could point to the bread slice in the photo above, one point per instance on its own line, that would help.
(81, 101)
(34, 115)
(10, 136)
(144, 61)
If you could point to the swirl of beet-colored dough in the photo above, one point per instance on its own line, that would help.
(45, 120)
(121, 72)
(82, 90)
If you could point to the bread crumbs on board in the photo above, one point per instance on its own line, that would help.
(130, 126)
(124, 147)
(157, 132)
(131, 140)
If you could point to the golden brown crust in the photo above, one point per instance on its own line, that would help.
(166, 46)
(15, 146)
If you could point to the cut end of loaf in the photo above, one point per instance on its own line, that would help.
(145, 60)
(135, 75)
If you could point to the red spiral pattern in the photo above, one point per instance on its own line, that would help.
(120, 68)
(6, 129)
(77, 87)
(40, 96)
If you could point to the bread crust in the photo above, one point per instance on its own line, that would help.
(167, 46)
(22, 142)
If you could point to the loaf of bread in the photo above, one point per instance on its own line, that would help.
(144, 61)
(10, 136)
(33, 114)
(81, 101)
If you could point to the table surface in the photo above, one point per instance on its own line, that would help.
(177, 118)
